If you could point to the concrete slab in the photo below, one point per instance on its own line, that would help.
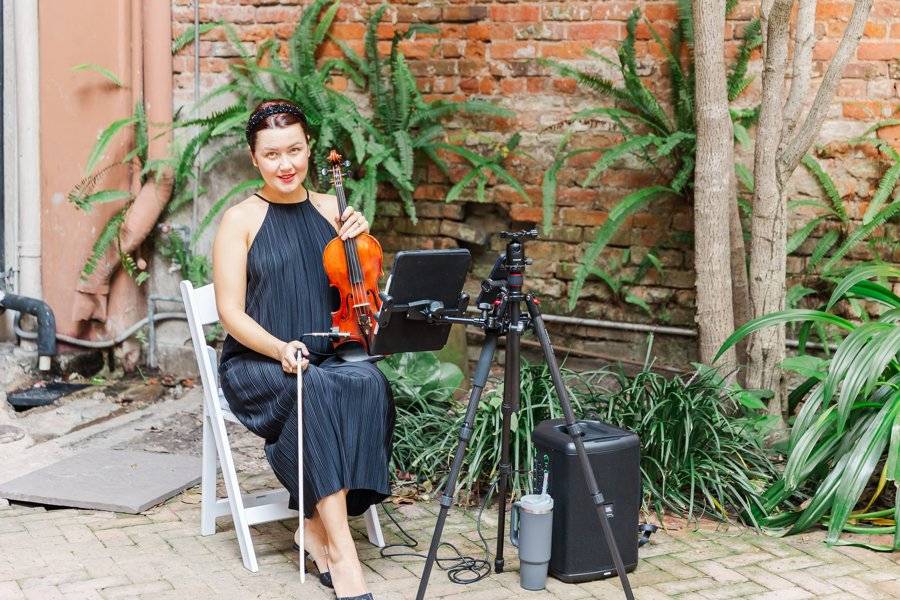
(116, 480)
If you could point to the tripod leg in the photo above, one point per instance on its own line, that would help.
(465, 433)
(590, 480)
(511, 392)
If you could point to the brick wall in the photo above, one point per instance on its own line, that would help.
(486, 50)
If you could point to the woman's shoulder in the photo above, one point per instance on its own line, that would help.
(320, 197)
(241, 216)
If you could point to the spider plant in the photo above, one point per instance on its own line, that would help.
(697, 456)
(848, 428)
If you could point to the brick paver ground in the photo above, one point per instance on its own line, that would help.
(50, 554)
(160, 555)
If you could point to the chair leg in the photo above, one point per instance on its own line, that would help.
(208, 480)
(236, 501)
(373, 527)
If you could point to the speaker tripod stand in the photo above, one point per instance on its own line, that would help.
(500, 303)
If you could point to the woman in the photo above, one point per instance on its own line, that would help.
(271, 289)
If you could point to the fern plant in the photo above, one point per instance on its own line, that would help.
(405, 127)
(663, 140)
(843, 234)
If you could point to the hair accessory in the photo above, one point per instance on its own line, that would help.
(275, 109)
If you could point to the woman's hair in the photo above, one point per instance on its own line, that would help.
(270, 114)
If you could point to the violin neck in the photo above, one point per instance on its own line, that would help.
(350, 243)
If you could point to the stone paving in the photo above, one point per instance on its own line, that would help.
(78, 554)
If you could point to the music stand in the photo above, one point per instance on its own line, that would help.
(422, 296)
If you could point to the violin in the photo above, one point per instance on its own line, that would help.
(353, 267)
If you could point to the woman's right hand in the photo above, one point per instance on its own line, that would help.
(289, 356)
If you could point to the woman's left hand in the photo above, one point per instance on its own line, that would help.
(353, 223)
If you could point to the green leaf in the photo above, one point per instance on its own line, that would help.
(885, 187)
(744, 176)
(860, 463)
(102, 197)
(188, 35)
(828, 187)
(103, 141)
(617, 215)
(777, 318)
(616, 152)
(883, 216)
(825, 243)
(798, 237)
(101, 70)
(858, 274)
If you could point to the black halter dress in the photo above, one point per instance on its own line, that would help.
(348, 408)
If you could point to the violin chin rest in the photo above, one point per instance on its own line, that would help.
(353, 352)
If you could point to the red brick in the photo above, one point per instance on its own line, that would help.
(349, 31)
(564, 50)
(878, 50)
(596, 31)
(418, 14)
(565, 85)
(862, 110)
(507, 50)
(464, 14)
(665, 12)
(536, 85)
(276, 14)
(418, 49)
(852, 88)
(512, 86)
(589, 218)
(875, 30)
(529, 214)
(490, 31)
(516, 12)
(824, 49)
(830, 10)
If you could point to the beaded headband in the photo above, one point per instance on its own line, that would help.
(275, 109)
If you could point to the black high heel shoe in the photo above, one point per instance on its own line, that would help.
(324, 578)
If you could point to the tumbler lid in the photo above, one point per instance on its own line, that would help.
(536, 503)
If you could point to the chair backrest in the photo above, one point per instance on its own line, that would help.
(200, 306)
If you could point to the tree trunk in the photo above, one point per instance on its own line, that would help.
(740, 287)
(768, 228)
(782, 138)
(712, 201)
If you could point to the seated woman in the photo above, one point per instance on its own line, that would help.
(271, 289)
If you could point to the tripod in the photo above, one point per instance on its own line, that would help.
(500, 303)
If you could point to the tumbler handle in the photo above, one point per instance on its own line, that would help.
(514, 524)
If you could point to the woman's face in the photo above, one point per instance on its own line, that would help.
(282, 157)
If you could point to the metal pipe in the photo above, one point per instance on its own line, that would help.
(30, 335)
(46, 334)
(28, 146)
(640, 327)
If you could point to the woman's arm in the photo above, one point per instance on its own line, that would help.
(230, 278)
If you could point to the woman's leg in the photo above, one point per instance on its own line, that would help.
(343, 562)
(315, 540)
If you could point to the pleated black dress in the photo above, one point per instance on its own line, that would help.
(348, 409)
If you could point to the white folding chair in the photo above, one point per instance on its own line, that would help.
(245, 509)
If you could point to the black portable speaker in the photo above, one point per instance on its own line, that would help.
(579, 551)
